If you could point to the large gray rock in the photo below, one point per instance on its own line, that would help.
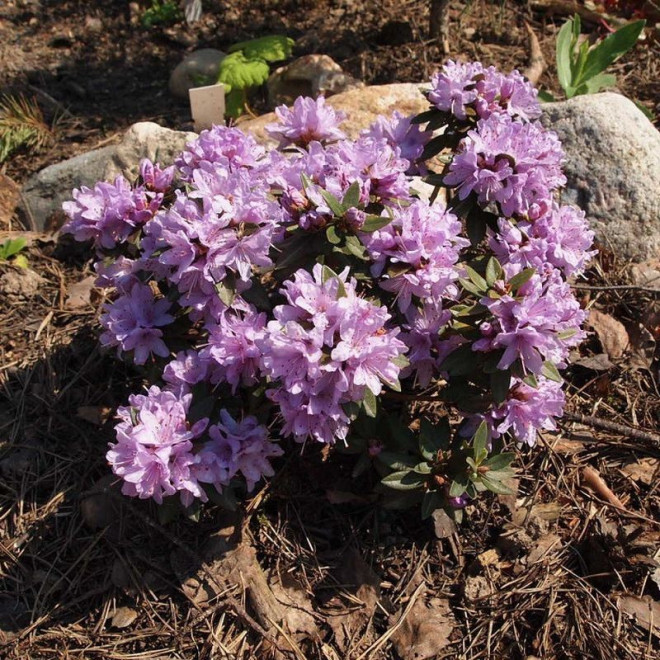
(199, 68)
(613, 170)
(44, 193)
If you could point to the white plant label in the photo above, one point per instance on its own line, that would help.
(207, 105)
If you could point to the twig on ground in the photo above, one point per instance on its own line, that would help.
(439, 23)
(536, 62)
(621, 429)
(592, 479)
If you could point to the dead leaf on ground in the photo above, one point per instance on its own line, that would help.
(544, 545)
(299, 612)
(611, 333)
(123, 617)
(443, 524)
(642, 345)
(425, 631)
(645, 611)
(642, 470)
(79, 294)
(600, 362)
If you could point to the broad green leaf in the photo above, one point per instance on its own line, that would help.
(404, 480)
(369, 403)
(546, 97)
(226, 292)
(235, 103)
(494, 271)
(272, 48)
(11, 247)
(241, 72)
(564, 54)
(422, 468)
(500, 383)
(609, 50)
(551, 372)
(352, 196)
(478, 281)
(596, 83)
(327, 274)
(499, 461)
(397, 461)
(374, 222)
(523, 276)
(496, 486)
(480, 440)
(459, 485)
(332, 236)
(333, 203)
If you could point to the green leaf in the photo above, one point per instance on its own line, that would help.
(496, 486)
(546, 97)
(500, 383)
(597, 83)
(11, 247)
(499, 461)
(478, 281)
(397, 461)
(234, 103)
(20, 261)
(432, 500)
(352, 196)
(332, 236)
(354, 246)
(327, 274)
(609, 50)
(551, 372)
(374, 222)
(404, 480)
(333, 203)
(564, 54)
(272, 48)
(459, 485)
(494, 271)
(476, 228)
(369, 403)
(226, 292)
(433, 438)
(523, 276)
(480, 441)
(241, 72)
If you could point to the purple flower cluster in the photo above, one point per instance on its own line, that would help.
(512, 164)
(155, 456)
(471, 89)
(325, 348)
(310, 279)
(310, 120)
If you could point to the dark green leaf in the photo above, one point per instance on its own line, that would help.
(369, 403)
(597, 83)
(480, 441)
(523, 276)
(494, 271)
(610, 49)
(459, 485)
(546, 97)
(476, 228)
(477, 279)
(499, 461)
(551, 372)
(374, 222)
(404, 480)
(397, 461)
(500, 383)
(333, 203)
(432, 500)
(496, 486)
(352, 196)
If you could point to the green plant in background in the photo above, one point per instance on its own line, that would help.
(10, 249)
(580, 66)
(161, 13)
(22, 125)
(247, 66)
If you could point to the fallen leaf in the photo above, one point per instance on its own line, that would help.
(643, 470)
(594, 481)
(425, 631)
(642, 344)
(611, 333)
(298, 613)
(443, 524)
(543, 546)
(79, 294)
(600, 362)
(645, 611)
(123, 617)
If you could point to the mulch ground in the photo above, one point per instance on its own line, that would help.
(568, 568)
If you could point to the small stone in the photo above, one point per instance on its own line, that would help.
(93, 24)
(21, 283)
(123, 617)
(199, 68)
(9, 196)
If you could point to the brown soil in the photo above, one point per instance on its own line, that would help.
(556, 572)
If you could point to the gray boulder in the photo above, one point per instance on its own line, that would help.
(613, 170)
(44, 193)
(199, 68)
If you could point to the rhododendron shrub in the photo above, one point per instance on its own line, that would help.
(307, 294)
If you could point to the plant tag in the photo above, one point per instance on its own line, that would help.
(207, 106)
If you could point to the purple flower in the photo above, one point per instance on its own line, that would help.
(463, 87)
(235, 447)
(188, 368)
(154, 177)
(529, 410)
(132, 321)
(400, 133)
(153, 453)
(109, 213)
(310, 120)
(513, 164)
